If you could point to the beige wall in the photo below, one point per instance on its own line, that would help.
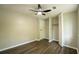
(16, 28)
(70, 29)
(78, 30)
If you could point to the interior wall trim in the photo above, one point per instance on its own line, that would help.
(17, 45)
(72, 48)
(53, 40)
(56, 40)
(50, 40)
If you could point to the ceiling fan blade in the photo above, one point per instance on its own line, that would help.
(47, 10)
(43, 14)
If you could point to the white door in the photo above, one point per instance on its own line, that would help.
(42, 28)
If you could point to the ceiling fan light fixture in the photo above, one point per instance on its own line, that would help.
(39, 13)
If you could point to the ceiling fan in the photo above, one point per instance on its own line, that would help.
(40, 11)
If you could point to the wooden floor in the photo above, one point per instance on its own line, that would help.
(40, 47)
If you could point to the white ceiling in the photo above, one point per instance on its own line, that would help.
(24, 8)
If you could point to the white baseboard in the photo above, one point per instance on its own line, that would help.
(50, 41)
(17, 45)
(37, 39)
(56, 40)
(71, 47)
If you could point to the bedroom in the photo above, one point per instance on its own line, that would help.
(20, 25)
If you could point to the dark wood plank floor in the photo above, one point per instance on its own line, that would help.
(40, 47)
